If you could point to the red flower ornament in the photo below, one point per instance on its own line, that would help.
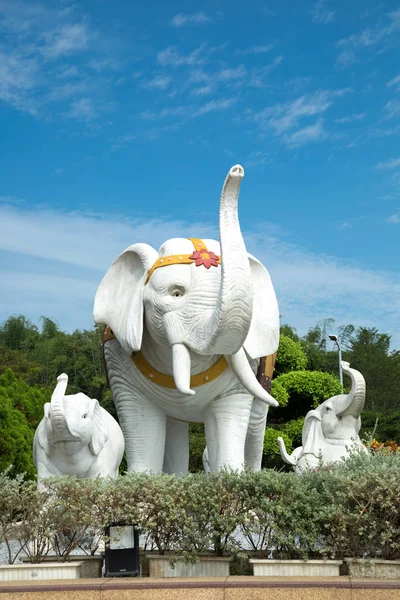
(205, 257)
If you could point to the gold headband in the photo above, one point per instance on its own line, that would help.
(200, 256)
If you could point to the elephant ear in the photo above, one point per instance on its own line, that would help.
(119, 298)
(100, 435)
(42, 431)
(263, 336)
(312, 436)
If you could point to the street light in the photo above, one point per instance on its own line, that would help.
(336, 339)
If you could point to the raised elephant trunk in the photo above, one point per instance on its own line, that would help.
(353, 403)
(228, 326)
(57, 414)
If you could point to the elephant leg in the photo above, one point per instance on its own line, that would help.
(226, 424)
(255, 435)
(143, 425)
(176, 456)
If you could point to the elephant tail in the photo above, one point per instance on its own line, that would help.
(288, 458)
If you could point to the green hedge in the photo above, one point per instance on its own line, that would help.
(348, 510)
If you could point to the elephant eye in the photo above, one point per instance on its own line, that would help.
(177, 292)
(85, 416)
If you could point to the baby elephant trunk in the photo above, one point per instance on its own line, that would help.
(59, 425)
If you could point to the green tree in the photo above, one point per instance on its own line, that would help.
(304, 390)
(290, 356)
(21, 410)
(18, 333)
(371, 355)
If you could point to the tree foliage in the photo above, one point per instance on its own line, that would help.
(21, 409)
(290, 357)
(306, 390)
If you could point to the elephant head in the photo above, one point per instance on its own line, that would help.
(336, 422)
(340, 415)
(213, 299)
(74, 420)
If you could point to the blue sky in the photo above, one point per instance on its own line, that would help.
(119, 121)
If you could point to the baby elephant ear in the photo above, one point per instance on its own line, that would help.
(118, 302)
(42, 431)
(100, 435)
(263, 336)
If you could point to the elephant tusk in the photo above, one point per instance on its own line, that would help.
(243, 371)
(181, 369)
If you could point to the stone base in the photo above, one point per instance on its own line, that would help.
(209, 566)
(375, 568)
(40, 571)
(295, 568)
(92, 564)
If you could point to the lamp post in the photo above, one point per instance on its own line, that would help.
(336, 339)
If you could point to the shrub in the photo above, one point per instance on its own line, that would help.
(285, 515)
(290, 356)
(271, 453)
(366, 523)
(350, 509)
(305, 390)
(293, 429)
(53, 518)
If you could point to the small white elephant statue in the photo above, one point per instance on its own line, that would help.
(187, 326)
(76, 437)
(330, 432)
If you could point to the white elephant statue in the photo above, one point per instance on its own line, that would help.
(186, 329)
(330, 432)
(76, 437)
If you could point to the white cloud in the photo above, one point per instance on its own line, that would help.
(345, 225)
(214, 105)
(181, 19)
(104, 64)
(65, 40)
(311, 133)
(190, 111)
(122, 141)
(82, 109)
(297, 84)
(159, 82)
(67, 71)
(36, 41)
(394, 219)
(20, 17)
(389, 164)
(232, 73)
(204, 82)
(392, 109)
(346, 58)
(384, 132)
(61, 258)
(368, 38)
(170, 57)
(18, 78)
(322, 13)
(203, 78)
(204, 90)
(284, 119)
(256, 159)
(67, 90)
(352, 118)
(394, 81)
(256, 49)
